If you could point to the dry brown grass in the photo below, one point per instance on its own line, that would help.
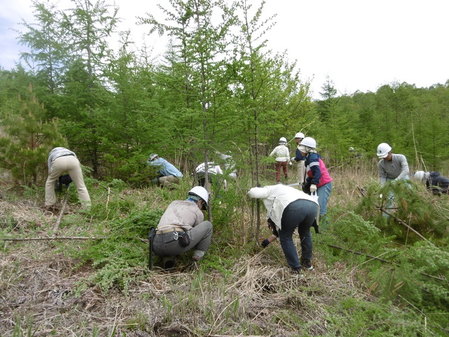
(39, 289)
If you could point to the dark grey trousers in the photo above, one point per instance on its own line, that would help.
(200, 238)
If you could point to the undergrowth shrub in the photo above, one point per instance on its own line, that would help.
(351, 238)
(419, 275)
(416, 273)
(122, 255)
(411, 205)
(357, 317)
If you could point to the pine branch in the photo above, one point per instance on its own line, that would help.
(406, 225)
(382, 260)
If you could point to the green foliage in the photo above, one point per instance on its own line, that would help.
(27, 138)
(419, 276)
(121, 257)
(355, 232)
(414, 273)
(358, 317)
(410, 205)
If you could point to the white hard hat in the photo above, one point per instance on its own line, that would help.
(309, 141)
(382, 150)
(152, 156)
(282, 140)
(201, 192)
(299, 135)
(420, 175)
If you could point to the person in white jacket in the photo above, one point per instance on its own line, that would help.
(214, 172)
(282, 155)
(289, 209)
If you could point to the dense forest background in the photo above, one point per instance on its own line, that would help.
(217, 89)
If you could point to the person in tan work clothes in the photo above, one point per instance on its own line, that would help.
(182, 228)
(299, 158)
(282, 155)
(61, 160)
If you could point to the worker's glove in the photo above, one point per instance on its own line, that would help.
(290, 163)
(293, 159)
(312, 188)
(306, 187)
(265, 243)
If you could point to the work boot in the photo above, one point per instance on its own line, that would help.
(306, 264)
(198, 255)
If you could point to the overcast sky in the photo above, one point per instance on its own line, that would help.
(357, 44)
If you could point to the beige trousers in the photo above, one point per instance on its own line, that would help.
(168, 181)
(301, 171)
(72, 166)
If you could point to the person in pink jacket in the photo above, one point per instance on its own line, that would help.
(318, 179)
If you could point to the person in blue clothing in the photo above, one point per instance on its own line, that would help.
(317, 178)
(168, 173)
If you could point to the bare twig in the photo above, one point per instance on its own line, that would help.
(57, 238)
(50, 238)
(61, 213)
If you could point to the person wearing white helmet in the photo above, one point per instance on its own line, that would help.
(298, 158)
(214, 172)
(317, 178)
(168, 174)
(288, 210)
(282, 155)
(391, 166)
(182, 228)
(434, 181)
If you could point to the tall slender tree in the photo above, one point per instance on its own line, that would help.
(199, 44)
(45, 39)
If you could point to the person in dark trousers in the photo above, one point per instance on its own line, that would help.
(182, 228)
(434, 181)
(289, 209)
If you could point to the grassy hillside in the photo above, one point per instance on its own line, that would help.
(368, 280)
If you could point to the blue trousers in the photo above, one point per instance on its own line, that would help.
(299, 214)
(324, 193)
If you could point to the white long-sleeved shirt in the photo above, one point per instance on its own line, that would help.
(281, 153)
(394, 169)
(212, 168)
(276, 198)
